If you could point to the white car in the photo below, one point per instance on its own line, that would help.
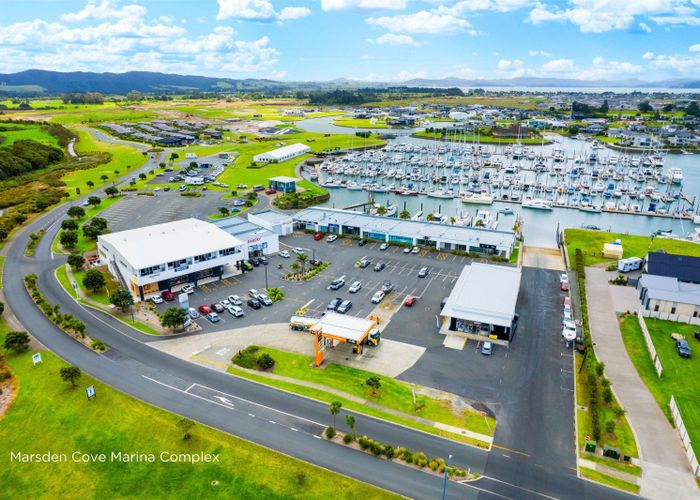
(188, 289)
(563, 277)
(378, 297)
(225, 303)
(235, 300)
(568, 318)
(193, 313)
(569, 331)
(331, 238)
(406, 250)
(236, 311)
(383, 246)
(355, 287)
(415, 250)
(157, 299)
(284, 254)
(298, 250)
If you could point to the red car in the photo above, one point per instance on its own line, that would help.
(204, 310)
(167, 295)
(565, 286)
(318, 236)
(270, 191)
(410, 300)
(567, 301)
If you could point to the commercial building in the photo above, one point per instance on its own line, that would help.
(393, 230)
(283, 184)
(168, 256)
(334, 329)
(259, 240)
(666, 294)
(483, 302)
(282, 154)
(277, 222)
(682, 267)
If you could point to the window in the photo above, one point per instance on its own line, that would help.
(229, 251)
(656, 307)
(673, 310)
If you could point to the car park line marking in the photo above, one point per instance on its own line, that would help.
(519, 487)
(510, 450)
(272, 422)
(190, 387)
(485, 491)
(202, 358)
(251, 415)
(293, 429)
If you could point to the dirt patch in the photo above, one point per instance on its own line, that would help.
(9, 391)
(458, 403)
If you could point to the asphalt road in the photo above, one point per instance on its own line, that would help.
(284, 422)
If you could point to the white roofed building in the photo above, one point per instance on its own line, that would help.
(282, 154)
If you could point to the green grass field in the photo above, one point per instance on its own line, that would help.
(50, 415)
(86, 244)
(393, 394)
(591, 244)
(359, 123)
(681, 376)
(101, 296)
(482, 139)
(20, 131)
(609, 480)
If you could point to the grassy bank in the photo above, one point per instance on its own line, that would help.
(609, 480)
(50, 415)
(359, 123)
(12, 132)
(393, 394)
(86, 244)
(681, 376)
(591, 244)
(482, 139)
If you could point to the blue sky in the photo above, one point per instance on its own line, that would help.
(387, 40)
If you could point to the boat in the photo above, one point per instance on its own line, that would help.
(676, 175)
(483, 219)
(537, 203)
(476, 198)
(440, 194)
(506, 211)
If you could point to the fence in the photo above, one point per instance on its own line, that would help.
(678, 420)
(681, 318)
(650, 344)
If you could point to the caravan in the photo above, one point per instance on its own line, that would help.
(629, 264)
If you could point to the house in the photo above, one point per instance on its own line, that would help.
(682, 267)
(669, 295)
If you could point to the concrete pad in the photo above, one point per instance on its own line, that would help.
(544, 258)
(455, 341)
(625, 298)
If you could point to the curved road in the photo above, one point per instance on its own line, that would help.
(276, 419)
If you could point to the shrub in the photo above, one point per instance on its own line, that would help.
(363, 442)
(247, 358)
(265, 362)
(607, 395)
(433, 465)
(17, 341)
(98, 345)
(329, 432)
(347, 438)
(599, 368)
(389, 451)
(376, 448)
(610, 426)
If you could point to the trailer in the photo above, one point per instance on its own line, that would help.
(302, 323)
(629, 264)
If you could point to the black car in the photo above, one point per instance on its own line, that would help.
(683, 348)
(697, 335)
(264, 261)
(443, 302)
(379, 266)
(217, 307)
(254, 303)
(334, 304)
(255, 261)
(362, 243)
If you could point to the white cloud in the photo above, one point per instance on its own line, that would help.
(394, 39)
(645, 27)
(599, 69)
(694, 48)
(539, 53)
(328, 5)
(677, 20)
(424, 22)
(463, 6)
(511, 68)
(104, 10)
(679, 64)
(558, 66)
(648, 56)
(367, 57)
(407, 75)
(259, 10)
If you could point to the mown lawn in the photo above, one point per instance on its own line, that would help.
(591, 244)
(19, 131)
(393, 394)
(359, 123)
(101, 296)
(49, 415)
(86, 244)
(609, 480)
(681, 376)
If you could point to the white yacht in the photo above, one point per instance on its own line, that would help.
(537, 203)
(676, 175)
(476, 198)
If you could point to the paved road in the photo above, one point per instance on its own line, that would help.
(666, 469)
(285, 422)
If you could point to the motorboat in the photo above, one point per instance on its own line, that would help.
(537, 203)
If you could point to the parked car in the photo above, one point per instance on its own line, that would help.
(415, 250)
(410, 300)
(242, 186)
(423, 272)
(331, 238)
(188, 289)
(364, 263)
(255, 261)
(362, 243)
(407, 250)
(267, 301)
(387, 286)
(377, 297)
(204, 310)
(565, 286)
(157, 299)
(235, 311)
(443, 302)
(567, 315)
(213, 317)
(683, 348)
(344, 307)
(254, 303)
(355, 287)
(298, 250)
(253, 292)
(235, 300)
(247, 265)
(284, 254)
(334, 304)
(264, 260)
(318, 236)
(225, 303)
(379, 266)
(167, 295)
(383, 246)
(270, 191)
(336, 284)
(192, 313)
(217, 307)
(697, 335)
(486, 348)
(563, 277)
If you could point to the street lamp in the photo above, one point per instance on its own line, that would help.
(266, 286)
(444, 477)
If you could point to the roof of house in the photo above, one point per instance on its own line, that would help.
(153, 245)
(670, 289)
(484, 293)
(683, 267)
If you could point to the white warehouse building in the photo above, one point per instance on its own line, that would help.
(151, 259)
(282, 154)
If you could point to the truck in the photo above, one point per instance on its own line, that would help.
(301, 323)
(629, 264)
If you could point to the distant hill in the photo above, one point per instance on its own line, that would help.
(36, 81)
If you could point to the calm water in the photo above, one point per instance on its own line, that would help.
(539, 225)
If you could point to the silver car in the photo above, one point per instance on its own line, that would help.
(355, 287)
(378, 297)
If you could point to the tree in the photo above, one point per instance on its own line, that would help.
(76, 261)
(174, 156)
(173, 317)
(17, 341)
(69, 225)
(374, 383)
(94, 201)
(68, 239)
(94, 280)
(252, 195)
(111, 191)
(667, 108)
(265, 362)
(134, 95)
(95, 227)
(693, 109)
(76, 212)
(3, 234)
(350, 421)
(605, 107)
(104, 177)
(275, 294)
(334, 408)
(120, 298)
(645, 107)
(381, 210)
(161, 165)
(301, 259)
(142, 176)
(185, 425)
(90, 184)
(2, 307)
(224, 211)
(404, 214)
(70, 374)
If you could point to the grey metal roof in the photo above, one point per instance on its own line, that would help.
(271, 216)
(241, 228)
(670, 289)
(485, 293)
(402, 227)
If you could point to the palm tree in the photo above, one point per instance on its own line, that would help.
(381, 210)
(452, 220)
(405, 214)
(350, 421)
(301, 259)
(295, 267)
(334, 408)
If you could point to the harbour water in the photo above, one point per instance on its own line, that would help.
(539, 225)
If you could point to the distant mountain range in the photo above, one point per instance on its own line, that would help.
(54, 82)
